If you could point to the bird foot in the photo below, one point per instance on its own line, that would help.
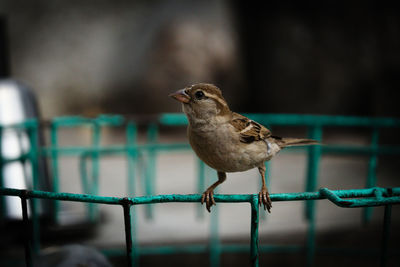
(208, 198)
(263, 197)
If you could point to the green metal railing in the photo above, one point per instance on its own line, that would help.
(369, 198)
(143, 157)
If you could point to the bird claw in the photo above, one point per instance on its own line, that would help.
(208, 198)
(263, 197)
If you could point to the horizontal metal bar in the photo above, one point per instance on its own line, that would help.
(360, 150)
(179, 119)
(354, 203)
(21, 158)
(333, 195)
(28, 124)
(167, 250)
(73, 121)
(117, 149)
(61, 196)
(69, 121)
(298, 120)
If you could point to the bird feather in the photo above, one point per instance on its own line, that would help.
(248, 130)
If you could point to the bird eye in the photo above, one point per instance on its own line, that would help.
(199, 94)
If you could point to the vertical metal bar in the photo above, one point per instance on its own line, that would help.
(131, 139)
(314, 157)
(310, 254)
(95, 157)
(126, 205)
(55, 169)
(371, 176)
(152, 132)
(131, 136)
(94, 186)
(200, 184)
(215, 248)
(27, 230)
(386, 234)
(83, 173)
(254, 232)
(34, 158)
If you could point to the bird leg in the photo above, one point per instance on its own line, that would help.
(208, 195)
(263, 196)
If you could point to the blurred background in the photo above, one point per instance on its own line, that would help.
(125, 57)
(335, 57)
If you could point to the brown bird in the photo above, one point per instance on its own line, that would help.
(227, 141)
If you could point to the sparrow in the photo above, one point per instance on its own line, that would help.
(227, 141)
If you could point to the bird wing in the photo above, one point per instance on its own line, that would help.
(249, 130)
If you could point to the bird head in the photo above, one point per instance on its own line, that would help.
(202, 101)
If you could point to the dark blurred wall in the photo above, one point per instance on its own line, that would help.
(334, 57)
(90, 57)
(4, 53)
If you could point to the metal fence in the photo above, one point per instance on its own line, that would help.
(144, 156)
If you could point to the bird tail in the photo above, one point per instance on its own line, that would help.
(285, 142)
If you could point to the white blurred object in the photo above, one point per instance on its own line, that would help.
(17, 104)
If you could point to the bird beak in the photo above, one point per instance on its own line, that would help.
(181, 96)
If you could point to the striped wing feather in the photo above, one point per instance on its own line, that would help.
(249, 130)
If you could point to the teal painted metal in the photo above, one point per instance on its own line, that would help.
(132, 156)
(355, 203)
(21, 158)
(75, 121)
(133, 150)
(83, 173)
(131, 139)
(55, 167)
(121, 149)
(313, 160)
(30, 123)
(126, 205)
(33, 157)
(179, 119)
(360, 150)
(315, 124)
(371, 176)
(360, 197)
(214, 241)
(150, 175)
(94, 185)
(87, 183)
(373, 197)
(254, 231)
(112, 149)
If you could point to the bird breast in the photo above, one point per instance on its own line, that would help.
(220, 148)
